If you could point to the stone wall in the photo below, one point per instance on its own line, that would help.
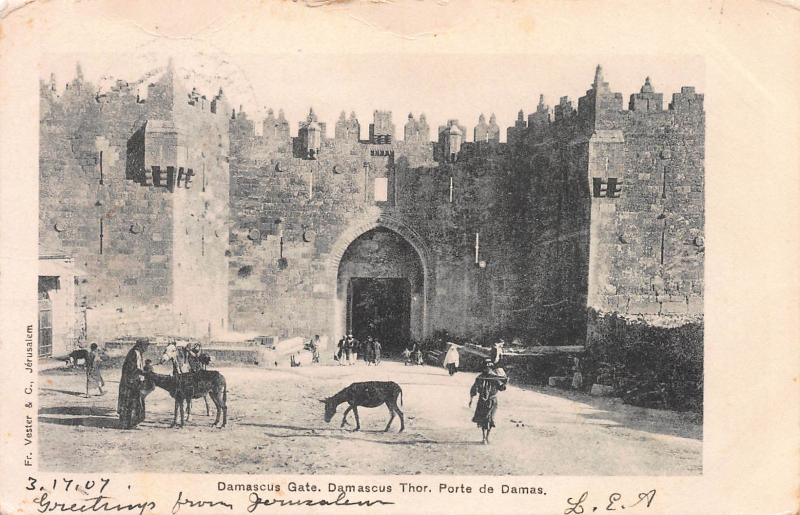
(550, 245)
(551, 229)
(440, 205)
(651, 361)
(99, 207)
(647, 234)
(590, 208)
(90, 212)
(292, 220)
(201, 215)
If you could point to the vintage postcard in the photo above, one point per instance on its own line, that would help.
(400, 257)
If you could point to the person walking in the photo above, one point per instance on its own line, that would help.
(93, 370)
(416, 354)
(496, 354)
(451, 359)
(376, 352)
(486, 386)
(577, 374)
(315, 349)
(130, 402)
(348, 349)
(367, 348)
(340, 350)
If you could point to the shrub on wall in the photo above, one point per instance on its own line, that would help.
(658, 366)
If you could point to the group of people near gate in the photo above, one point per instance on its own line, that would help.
(349, 349)
(413, 355)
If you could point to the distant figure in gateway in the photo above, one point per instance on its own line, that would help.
(350, 344)
(314, 347)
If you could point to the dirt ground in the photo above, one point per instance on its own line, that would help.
(275, 425)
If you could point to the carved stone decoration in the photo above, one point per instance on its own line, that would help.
(136, 228)
(336, 169)
(254, 235)
(699, 241)
(309, 235)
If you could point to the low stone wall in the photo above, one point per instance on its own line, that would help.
(242, 353)
(655, 363)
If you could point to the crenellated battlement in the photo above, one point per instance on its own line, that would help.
(597, 108)
(158, 92)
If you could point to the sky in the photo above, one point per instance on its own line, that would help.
(443, 86)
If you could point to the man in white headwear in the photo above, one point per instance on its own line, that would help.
(497, 352)
(451, 359)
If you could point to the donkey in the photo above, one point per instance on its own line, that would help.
(71, 359)
(192, 385)
(370, 394)
(180, 358)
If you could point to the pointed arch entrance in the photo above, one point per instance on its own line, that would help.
(382, 281)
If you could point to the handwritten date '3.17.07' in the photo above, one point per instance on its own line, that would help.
(614, 502)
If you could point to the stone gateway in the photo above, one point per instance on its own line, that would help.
(185, 220)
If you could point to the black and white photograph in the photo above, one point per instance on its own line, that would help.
(399, 257)
(225, 287)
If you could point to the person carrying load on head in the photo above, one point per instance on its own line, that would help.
(486, 386)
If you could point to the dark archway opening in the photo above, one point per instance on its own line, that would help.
(381, 308)
(381, 290)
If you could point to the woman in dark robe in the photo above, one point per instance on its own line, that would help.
(486, 386)
(130, 402)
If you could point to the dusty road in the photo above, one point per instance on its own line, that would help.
(275, 425)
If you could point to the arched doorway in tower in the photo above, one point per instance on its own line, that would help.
(380, 285)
